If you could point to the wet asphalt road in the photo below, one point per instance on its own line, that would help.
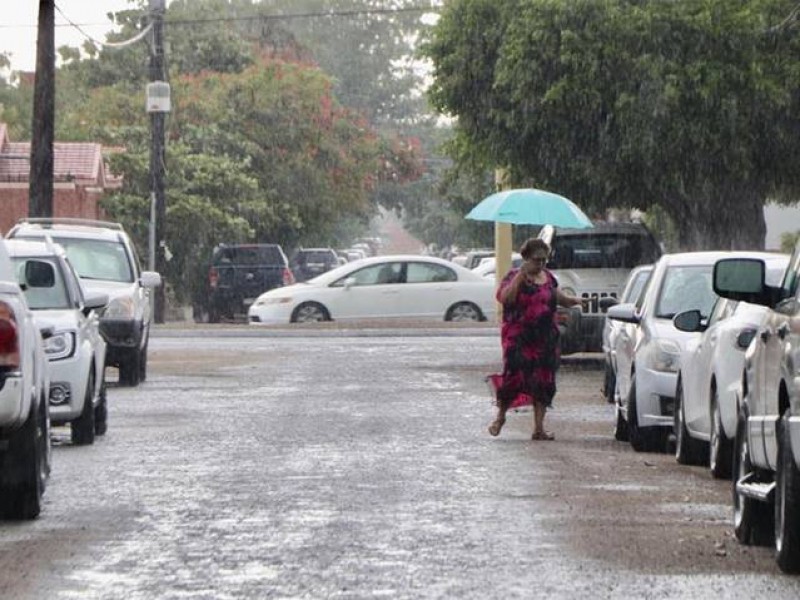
(335, 464)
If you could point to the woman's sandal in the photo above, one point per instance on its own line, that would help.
(496, 426)
(543, 435)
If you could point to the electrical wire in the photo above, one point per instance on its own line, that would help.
(112, 45)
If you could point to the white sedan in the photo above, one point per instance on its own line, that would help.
(381, 287)
(710, 374)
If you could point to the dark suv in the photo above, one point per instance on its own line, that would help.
(307, 263)
(239, 273)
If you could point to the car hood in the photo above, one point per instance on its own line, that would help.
(663, 329)
(114, 289)
(59, 320)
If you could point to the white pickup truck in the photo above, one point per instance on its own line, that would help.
(766, 461)
(24, 389)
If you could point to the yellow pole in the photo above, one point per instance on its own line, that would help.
(502, 239)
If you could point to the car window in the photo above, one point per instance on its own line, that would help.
(686, 288)
(723, 308)
(427, 273)
(636, 286)
(47, 293)
(98, 259)
(249, 255)
(381, 274)
(607, 250)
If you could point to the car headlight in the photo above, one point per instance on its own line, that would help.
(120, 308)
(272, 300)
(666, 356)
(60, 345)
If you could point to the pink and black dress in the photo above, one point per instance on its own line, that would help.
(531, 352)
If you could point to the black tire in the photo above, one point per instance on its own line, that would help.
(464, 312)
(720, 448)
(214, 315)
(310, 312)
(621, 433)
(101, 412)
(143, 363)
(25, 467)
(688, 451)
(787, 504)
(609, 384)
(129, 367)
(82, 429)
(752, 521)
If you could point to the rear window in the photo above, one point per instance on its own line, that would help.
(249, 255)
(316, 257)
(597, 251)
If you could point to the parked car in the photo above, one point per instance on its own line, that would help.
(76, 351)
(382, 287)
(488, 265)
(594, 263)
(631, 291)
(474, 257)
(238, 274)
(307, 263)
(766, 456)
(648, 347)
(24, 386)
(105, 258)
(710, 374)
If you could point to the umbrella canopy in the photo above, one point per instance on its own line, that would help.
(529, 206)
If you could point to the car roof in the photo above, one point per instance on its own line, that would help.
(705, 257)
(32, 248)
(75, 228)
(605, 227)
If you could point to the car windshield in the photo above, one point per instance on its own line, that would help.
(98, 259)
(604, 250)
(44, 287)
(686, 288)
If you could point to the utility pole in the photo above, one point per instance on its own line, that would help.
(40, 179)
(157, 154)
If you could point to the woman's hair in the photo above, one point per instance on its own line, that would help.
(532, 245)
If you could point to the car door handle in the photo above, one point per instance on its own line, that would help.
(783, 330)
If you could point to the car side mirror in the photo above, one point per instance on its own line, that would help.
(39, 274)
(689, 321)
(93, 302)
(607, 302)
(150, 279)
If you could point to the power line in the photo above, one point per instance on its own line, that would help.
(123, 44)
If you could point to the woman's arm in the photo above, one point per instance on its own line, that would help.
(508, 291)
(568, 301)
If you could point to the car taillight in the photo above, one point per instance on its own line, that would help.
(288, 277)
(9, 340)
(213, 277)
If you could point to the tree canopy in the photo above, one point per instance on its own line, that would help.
(690, 107)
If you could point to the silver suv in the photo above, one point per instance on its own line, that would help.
(594, 263)
(106, 261)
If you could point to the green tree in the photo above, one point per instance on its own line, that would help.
(687, 106)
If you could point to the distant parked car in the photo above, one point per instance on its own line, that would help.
(76, 351)
(633, 289)
(648, 346)
(382, 287)
(711, 372)
(594, 263)
(488, 265)
(105, 258)
(307, 263)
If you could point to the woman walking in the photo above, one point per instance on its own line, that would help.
(530, 296)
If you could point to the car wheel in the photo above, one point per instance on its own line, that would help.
(214, 315)
(101, 413)
(82, 428)
(621, 433)
(787, 504)
(720, 457)
(752, 523)
(26, 466)
(143, 363)
(310, 312)
(688, 451)
(129, 368)
(464, 311)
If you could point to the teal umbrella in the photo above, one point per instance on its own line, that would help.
(529, 206)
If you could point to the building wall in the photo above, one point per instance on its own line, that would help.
(69, 200)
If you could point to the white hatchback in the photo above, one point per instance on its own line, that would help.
(76, 351)
(649, 346)
(381, 287)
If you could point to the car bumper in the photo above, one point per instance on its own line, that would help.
(272, 314)
(10, 400)
(122, 333)
(69, 377)
(655, 397)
